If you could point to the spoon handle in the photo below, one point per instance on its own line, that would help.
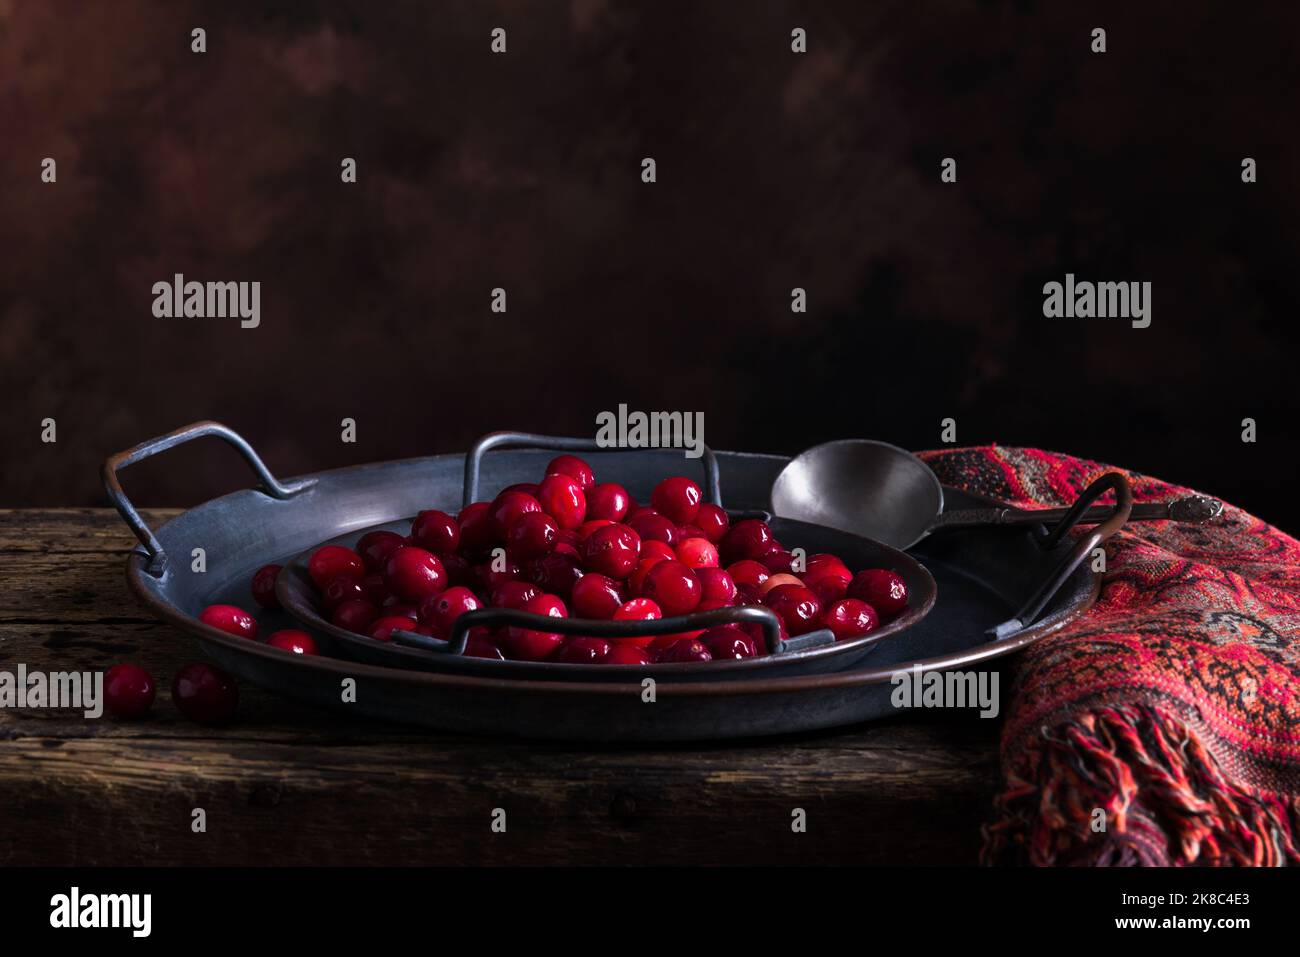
(1195, 509)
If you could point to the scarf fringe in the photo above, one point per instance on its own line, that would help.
(1166, 801)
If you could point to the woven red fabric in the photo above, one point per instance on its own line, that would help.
(1173, 705)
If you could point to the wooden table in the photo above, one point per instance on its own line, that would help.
(288, 784)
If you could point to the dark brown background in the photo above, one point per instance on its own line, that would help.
(775, 170)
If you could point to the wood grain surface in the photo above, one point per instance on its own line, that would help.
(287, 784)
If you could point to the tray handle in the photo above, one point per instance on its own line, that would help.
(157, 562)
(497, 440)
(1032, 608)
(765, 618)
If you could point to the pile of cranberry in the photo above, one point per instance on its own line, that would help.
(569, 543)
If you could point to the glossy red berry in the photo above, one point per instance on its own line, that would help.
(829, 588)
(376, 592)
(532, 535)
(530, 644)
(623, 653)
(293, 640)
(697, 553)
(638, 609)
(205, 694)
(612, 550)
(440, 611)
(880, 588)
(609, 501)
(636, 581)
(562, 498)
(381, 629)
(825, 563)
(653, 527)
(850, 618)
(573, 467)
(435, 532)
(332, 561)
(749, 572)
(557, 573)
(506, 509)
(263, 586)
(128, 691)
(718, 590)
(231, 619)
(355, 616)
(477, 532)
(583, 651)
(677, 498)
(596, 596)
(674, 586)
(344, 588)
(728, 641)
(413, 574)
(514, 594)
(712, 521)
(797, 605)
(685, 649)
(749, 538)
(487, 577)
(779, 560)
(375, 547)
(776, 581)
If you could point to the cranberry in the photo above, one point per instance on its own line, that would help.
(716, 586)
(797, 605)
(486, 578)
(685, 649)
(330, 561)
(413, 574)
(440, 612)
(294, 640)
(654, 528)
(776, 581)
(697, 553)
(128, 691)
(530, 644)
(231, 619)
(608, 501)
(344, 588)
(457, 567)
(514, 594)
(376, 592)
(825, 562)
(661, 643)
(882, 589)
(264, 586)
(205, 694)
(674, 586)
(677, 498)
(556, 573)
(532, 535)
(638, 609)
(623, 653)
(381, 629)
(755, 632)
(481, 645)
(657, 551)
(712, 521)
(528, 488)
(748, 538)
(850, 618)
(749, 572)
(355, 616)
(436, 532)
(778, 560)
(575, 468)
(583, 651)
(728, 641)
(596, 596)
(636, 511)
(612, 550)
(477, 534)
(587, 527)
(562, 498)
(636, 581)
(828, 588)
(375, 547)
(506, 509)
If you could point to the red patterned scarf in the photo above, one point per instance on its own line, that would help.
(1174, 705)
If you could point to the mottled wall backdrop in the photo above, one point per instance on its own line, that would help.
(775, 170)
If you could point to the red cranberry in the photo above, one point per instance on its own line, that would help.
(778, 560)
(613, 551)
(331, 561)
(749, 572)
(776, 581)
(231, 619)
(638, 609)
(623, 653)
(457, 567)
(128, 691)
(654, 528)
(376, 592)
(477, 533)
(413, 574)
(850, 618)
(674, 586)
(797, 606)
(486, 578)
(728, 641)
(716, 587)
(583, 651)
(514, 594)
(205, 694)
(712, 521)
(355, 616)
(657, 551)
(755, 632)
(677, 498)
(596, 596)
(436, 532)
(661, 643)
(375, 547)
(344, 588)
(882, 589)
(294, 640)
(697, 553)
(824, 562)
(556, 573)
(608, 501)
(685, 649)
(747, 539)
(636, 581)
(528, 488)
(532, 535)
(575, 468)
(381, 629)
(828, 588)
(441, 611)
(586, 528)
(481, 645)
(636, 511)
(529, 644)
(562, 498)
(264, 586)
(506, 509)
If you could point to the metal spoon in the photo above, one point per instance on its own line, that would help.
(883, 492)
